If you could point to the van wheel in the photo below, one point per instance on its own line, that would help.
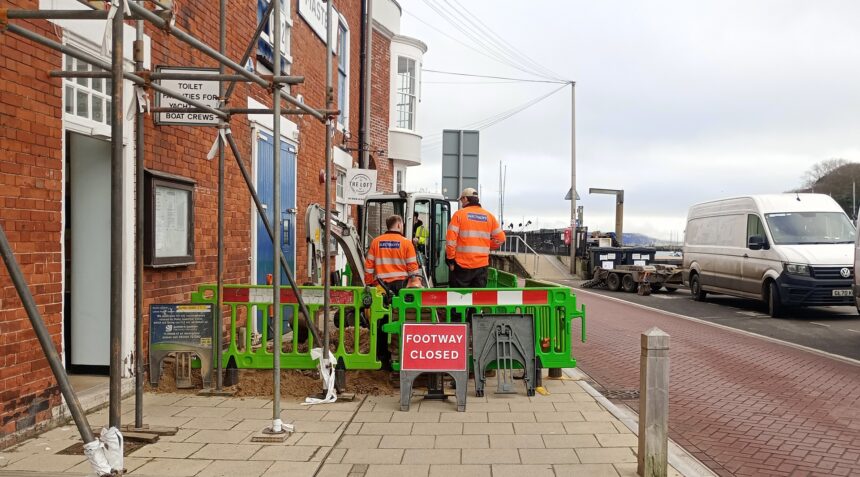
(696, 288)
(613, 282)
(775, 308)
(628, 284)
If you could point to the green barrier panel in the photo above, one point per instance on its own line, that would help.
(552, 308)
(531, 283)
(500, 279)
(251, 305)
(506, 280)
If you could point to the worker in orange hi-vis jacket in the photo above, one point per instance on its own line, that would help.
(391, 257)
(472, 233)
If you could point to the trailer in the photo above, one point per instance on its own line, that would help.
(642, 279)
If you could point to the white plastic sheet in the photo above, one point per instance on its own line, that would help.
(326, 367)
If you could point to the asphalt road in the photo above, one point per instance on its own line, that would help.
(834, 330)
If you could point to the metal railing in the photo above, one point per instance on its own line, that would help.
(515, 245)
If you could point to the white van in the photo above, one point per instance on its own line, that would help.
(783, 249)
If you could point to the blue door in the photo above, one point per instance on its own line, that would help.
(286, 212)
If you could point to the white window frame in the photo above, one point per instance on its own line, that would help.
(286, 32)
(95, 126)
(343, 117)
(414, 94)
(401, 172)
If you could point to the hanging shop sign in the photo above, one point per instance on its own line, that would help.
(205, 92)
(359, 183)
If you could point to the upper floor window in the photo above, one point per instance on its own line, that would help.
(406, 93)
(343, 74)
(265, 45)
(398, 180)
(341, 178)
(88, 98)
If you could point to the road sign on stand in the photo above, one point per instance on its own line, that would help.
(459, 162)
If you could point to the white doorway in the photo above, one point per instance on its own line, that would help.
(88, 221)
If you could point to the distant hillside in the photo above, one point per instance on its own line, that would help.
(633, 239)
(838, 184)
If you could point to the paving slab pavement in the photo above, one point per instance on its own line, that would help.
(565, 433)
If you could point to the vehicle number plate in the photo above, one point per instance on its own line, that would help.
(843, 292)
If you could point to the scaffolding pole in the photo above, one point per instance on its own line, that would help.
(139, 165)
(116, 210)
(222, 48)
(277, 424)
(329, 133)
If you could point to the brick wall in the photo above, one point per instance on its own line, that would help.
(31, 179)
(379, 111)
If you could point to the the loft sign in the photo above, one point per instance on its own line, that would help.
(358, 184)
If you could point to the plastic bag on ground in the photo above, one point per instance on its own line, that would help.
(95, 452)
(112, 441)
(326, 367)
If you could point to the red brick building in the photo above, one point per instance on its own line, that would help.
(55, 175)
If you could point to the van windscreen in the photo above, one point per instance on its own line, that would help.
(806, 228)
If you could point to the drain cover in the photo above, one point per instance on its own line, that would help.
(622, 394)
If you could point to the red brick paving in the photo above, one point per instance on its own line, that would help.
(742, 405)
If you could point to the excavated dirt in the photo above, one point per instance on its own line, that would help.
(294, 383)
(333, 340)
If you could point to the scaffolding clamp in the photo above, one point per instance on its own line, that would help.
(4, 19)
(146, 75)
(169, 17)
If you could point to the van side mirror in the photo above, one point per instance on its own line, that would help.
(757, 242)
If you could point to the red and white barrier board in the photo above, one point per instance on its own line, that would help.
(434, 347)
(484, 297)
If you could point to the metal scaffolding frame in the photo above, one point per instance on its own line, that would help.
(162, 17)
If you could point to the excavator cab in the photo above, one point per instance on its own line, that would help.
(433, 210)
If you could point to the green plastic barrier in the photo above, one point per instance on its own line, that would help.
(552, 308)
(500, 279)
(251, 305)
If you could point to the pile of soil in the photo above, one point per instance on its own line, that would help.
(294, 382)
(349, 341)
(167, 381)
(303, 383)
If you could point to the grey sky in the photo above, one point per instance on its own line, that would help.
(677, 101)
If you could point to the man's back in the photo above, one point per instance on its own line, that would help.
(390, 257)
(472, 232)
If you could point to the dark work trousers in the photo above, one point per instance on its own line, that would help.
(468, 277)
(383, 354)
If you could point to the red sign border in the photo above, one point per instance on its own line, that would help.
(465, 360)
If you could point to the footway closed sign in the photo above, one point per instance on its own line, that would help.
(434, 347)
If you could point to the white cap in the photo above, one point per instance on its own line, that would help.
(469, 192)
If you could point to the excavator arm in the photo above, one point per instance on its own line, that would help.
(344, 234)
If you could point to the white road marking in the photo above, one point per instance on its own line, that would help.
(856, 331)
(819, 324)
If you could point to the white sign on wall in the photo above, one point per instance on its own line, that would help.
(359, 183)
(205, 92)
(314, 13)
